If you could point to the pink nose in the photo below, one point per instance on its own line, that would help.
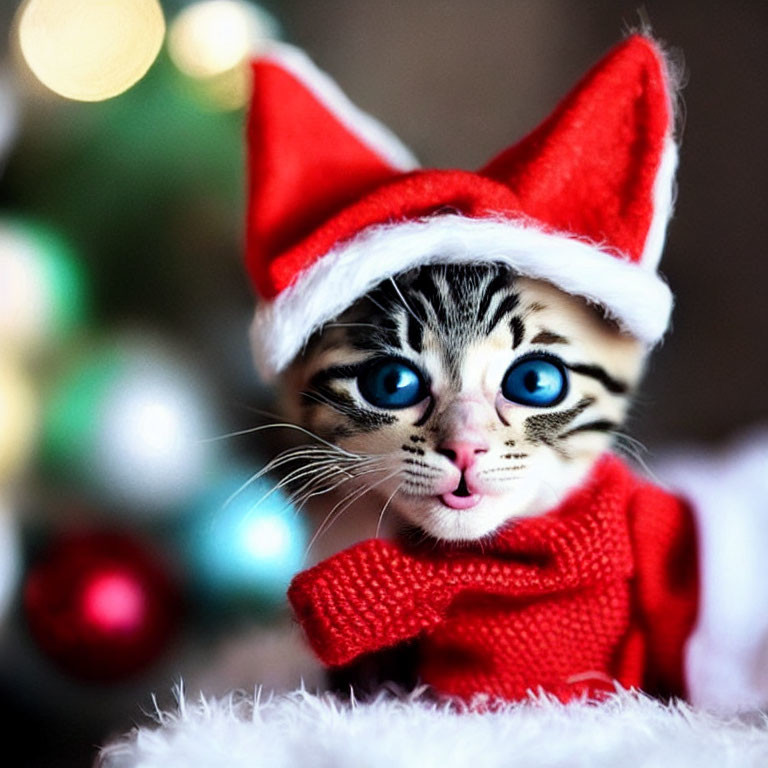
(463, 453)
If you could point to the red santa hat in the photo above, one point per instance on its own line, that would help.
(337, 203)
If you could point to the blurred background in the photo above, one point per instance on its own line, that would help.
(128, 560)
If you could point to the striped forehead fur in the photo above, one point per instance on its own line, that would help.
(457, 304)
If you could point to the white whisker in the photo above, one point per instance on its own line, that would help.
(350, 494)
(384, 509)
(308, 469)
(328, 472)
(631, 447)
(302, 500)
(296, 474)
(351, 325)
(281, 425)
(347, 501)
(278, 461)
(291, 455)
(405, 303)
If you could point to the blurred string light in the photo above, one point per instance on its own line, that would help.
(42, 286)
(212, 41)
(10, 558)
(244, 540)
(18, 418)
(130, 423)
(90, 50)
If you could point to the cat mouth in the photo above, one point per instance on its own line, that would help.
(462, 497)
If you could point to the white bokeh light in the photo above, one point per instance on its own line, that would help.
(266, 537)
(151, 448)
(19, 418)
(25, 302)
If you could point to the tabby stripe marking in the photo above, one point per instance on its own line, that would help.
(336, 372)
(389, 333)
(517, 327)
(545, 427)
(423, 420)
(497, 284)
(367, 421)
(615, 386)
(426, 286)
(415, 332)
(548, 337)
(599, 425)
(506, 305)
(418, 463)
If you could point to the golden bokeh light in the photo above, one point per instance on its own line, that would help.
(210, 38)
(18, 418)
(228, 91)
(90, 50)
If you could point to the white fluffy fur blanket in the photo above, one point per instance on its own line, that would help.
(302, 729)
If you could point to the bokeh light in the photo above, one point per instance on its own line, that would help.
(9, 114)
(18, 418)
(211, 41)
(245, 540)
(90, 50)
(211, 37)
(114, 601)
(10, 556)
(43, 286)
(131, 423)
(101, 604)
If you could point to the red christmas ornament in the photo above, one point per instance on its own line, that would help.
(101, 605)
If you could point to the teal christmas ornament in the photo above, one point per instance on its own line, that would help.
(245, 540)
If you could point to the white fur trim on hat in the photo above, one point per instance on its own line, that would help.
(632, 294)
(663, 199)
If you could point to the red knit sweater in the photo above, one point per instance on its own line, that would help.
(601, 589)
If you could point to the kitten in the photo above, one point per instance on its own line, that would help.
(470, 401)
(463, 397)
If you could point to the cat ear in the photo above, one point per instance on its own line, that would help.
(602, 165)
(310, 152)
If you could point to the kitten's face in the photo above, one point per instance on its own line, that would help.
(482, 396)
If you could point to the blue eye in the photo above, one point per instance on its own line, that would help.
(536, 381)
(392, 384)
